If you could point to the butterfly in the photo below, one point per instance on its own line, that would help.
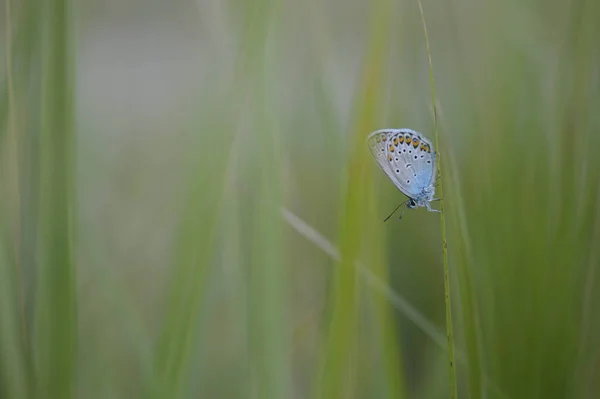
(408, 159)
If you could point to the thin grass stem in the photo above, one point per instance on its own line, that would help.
(447, 296)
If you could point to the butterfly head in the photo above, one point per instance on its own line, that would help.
(424, 198)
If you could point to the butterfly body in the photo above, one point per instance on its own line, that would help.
(409, 160)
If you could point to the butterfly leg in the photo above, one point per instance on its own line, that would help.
(430, 209)
(403, 209)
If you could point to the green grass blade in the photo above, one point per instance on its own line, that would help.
(468, 298)
(336, 377)
(385, 324)
(192, 256)
(14, 378)
(267, 283)
(200, 217)
(55, 322)
(448, 297)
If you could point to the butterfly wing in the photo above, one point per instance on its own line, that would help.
(413, 161)
(426, 157)
(407, 158)
(378, 145)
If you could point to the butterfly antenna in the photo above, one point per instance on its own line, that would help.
(394, 211)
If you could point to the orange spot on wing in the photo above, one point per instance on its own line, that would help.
(391, 148)
(401, 139)
(396, 141)
(389, 158)
(415, 142)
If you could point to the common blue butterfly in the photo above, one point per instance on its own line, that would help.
(408, 159)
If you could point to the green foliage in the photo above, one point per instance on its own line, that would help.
(226, 241)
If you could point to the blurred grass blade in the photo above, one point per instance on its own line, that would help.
(13, 357)
(467, 298)
(24, 45)
(23, 93)
(55, 329)
(268, 335)
(200, 217)
(193, 253)
(390, 347)
(336, 377)
(397, 300)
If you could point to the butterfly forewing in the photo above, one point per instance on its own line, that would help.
(378, 145)
(406, 157)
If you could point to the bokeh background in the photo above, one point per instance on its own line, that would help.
(189, 209)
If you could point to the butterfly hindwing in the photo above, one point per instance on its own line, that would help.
(412, 162)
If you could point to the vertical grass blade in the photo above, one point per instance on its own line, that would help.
(336, 377)
(200, 216)
(12, 153)
(390, 349)
(268, 334)
(447, 296)
(55, 317)
(194, 247)
(13, 358)
(192, 254)
(467, 295)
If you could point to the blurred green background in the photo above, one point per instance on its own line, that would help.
(188, 208)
